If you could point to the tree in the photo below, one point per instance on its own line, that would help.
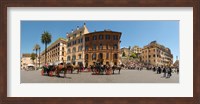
(123, 54)
(33, 56)
(36, 48)
(133, 55)
(46, 39)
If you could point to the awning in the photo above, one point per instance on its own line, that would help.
(30, 65)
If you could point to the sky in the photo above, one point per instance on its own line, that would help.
(138, 33)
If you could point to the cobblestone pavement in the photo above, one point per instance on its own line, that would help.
(126, 76)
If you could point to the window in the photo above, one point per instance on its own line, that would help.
(154, 55)
(107, 37)
(80, 48)
(94, 47)
(74, 35)
(81, 40)
(80, 33)
(115, 46)
(79, 56)
(73, 58)
(100, 46)
(114, 37)
(68, 58)
(74, 49)
(100, 55)
(107, 55)
(69, 44)
(87, 39)
(63, 53)
(94, 56)
(78, 40)
(100, 37)
(86, 56)
(149, 56)
(115, 56)
(86, 48)
(94, 37)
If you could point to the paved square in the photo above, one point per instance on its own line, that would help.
(126, 76)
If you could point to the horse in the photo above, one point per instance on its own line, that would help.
(60, 68)
(48, 69)
(98, 68)
(72, 67)
(115, 67)
(108, 69)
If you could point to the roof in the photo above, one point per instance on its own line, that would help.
(59, 39)
(26, 55)
(77, 30)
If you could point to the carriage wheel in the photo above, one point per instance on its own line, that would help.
(51, 73)
(42, 72)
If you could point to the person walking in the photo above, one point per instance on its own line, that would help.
(164, 71)
(158, 70)
(170, 72)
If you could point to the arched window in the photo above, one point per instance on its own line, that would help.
(73, 57)
(68, 51)
(115, 56)
(68, 58)
(94, 56)
(80, 48)
(74, 49)
(100, 56)
(79, 56)
(86, 56)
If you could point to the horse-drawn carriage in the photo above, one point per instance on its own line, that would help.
(100, 69)
(48, 70)
(53, 69)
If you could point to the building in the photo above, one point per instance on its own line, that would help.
(156, 54)
(102, 46)
(176, 64)
(136, 49)
(125, 52)
(56, 52)
(26, 60)
(75, 45)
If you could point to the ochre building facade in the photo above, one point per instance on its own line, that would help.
(102, 46)
(157, 55)
(56, 52)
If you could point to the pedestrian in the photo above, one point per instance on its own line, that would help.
(154, 69)
(177, 70)
(164, 71)
(158, 70)
(170, 71)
